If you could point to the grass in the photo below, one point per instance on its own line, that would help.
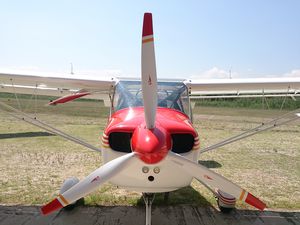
(33, 164)
(253, 103)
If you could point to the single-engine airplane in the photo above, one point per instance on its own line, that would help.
(150, 133)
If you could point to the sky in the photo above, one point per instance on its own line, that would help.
(193, 39)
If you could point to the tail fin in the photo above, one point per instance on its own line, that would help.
(149, 79)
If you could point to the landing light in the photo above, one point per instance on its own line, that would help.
(145, 169)
(156, 170)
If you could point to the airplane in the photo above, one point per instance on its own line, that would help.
(150, 133)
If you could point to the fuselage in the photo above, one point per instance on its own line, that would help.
(126, 132)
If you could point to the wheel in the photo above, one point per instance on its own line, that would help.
(226, 202)
(67, 184)
(225, 210)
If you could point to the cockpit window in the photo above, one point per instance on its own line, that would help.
(172, 95)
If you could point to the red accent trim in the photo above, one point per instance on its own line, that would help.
(226, 200)
(252, 200)
(95, 179)
(68, 98)
(147, 25)
(207, 177)
(51, 207)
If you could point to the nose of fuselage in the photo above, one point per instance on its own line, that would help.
(151, 145)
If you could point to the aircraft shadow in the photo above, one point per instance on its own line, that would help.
(128, 215)
(187, 195)
(210, 163)
(25, 134)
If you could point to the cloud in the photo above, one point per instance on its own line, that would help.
(215, 73)
(293, 73)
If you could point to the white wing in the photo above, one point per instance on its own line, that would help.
(252, 86)
(55, 84)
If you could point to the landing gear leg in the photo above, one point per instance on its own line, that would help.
(166, 197)
(148, 199)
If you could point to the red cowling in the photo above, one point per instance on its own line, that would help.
(152, 145)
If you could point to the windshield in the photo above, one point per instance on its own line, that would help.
(172, 95)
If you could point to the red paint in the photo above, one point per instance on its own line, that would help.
(156, 146)
(147, 25)
(69, 98)
(51, 207)
(252, 200)
(151, 145)
(227, 200)
(95, 179)
(208, 177)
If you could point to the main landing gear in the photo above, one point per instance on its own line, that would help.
(226, 202)
(67, 184)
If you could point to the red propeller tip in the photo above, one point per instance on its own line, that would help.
(147, 25)
(252, 200)
(51, 207)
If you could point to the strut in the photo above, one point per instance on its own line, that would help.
(148, 199)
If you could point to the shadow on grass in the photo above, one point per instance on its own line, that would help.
(25, 134)
(209, 163)
(186, 196)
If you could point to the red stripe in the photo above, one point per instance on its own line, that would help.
(252, 200)
(147, 25)
(227, 201)
(51, 207)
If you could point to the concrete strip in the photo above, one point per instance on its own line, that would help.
(162, 215)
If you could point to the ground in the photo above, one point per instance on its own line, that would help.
(128, 215)
(33, 163)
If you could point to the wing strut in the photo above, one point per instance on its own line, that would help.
(286, 118)
(34, 121)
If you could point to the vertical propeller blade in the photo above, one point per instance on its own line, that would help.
(149, 79)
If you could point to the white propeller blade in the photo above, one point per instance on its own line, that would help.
(149, 79)
(89, 184)
(212, 179)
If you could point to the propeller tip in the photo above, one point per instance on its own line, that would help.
(51, 207)
(147, 25)
(254, 201)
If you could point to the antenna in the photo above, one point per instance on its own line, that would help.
(71, 72)
(230, 77)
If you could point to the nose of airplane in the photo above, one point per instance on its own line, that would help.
(152, 145)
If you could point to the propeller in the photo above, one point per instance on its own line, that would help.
(149, 79)
(212, 179)
(88, 184)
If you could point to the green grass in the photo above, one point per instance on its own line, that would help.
(33, 166)
(252, 103)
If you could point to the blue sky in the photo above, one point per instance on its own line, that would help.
(203, 39)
